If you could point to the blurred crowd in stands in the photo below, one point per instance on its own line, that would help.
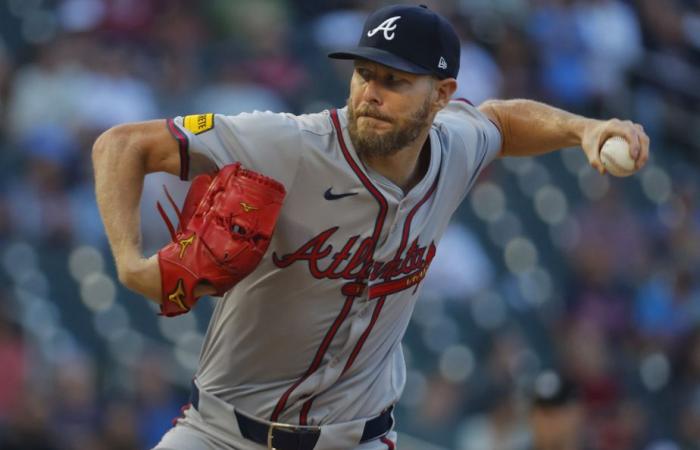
(562, 312)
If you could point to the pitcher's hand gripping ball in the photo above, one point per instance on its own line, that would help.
(224, 229)
(615, 156)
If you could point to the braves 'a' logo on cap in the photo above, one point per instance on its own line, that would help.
(388, 27)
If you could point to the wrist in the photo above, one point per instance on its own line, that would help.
(580, 128)
(129, 272)
(141, 275)
(127, 263)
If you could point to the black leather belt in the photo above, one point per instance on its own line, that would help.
(291, 437)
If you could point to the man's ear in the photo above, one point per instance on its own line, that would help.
(444, 89)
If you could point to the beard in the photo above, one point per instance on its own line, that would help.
(369, 143)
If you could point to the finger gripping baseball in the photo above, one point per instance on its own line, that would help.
(225, 228)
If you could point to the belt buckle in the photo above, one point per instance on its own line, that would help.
(282, 426)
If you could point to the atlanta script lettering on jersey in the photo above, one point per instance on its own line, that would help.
(397, 274)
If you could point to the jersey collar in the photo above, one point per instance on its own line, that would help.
(383, 183)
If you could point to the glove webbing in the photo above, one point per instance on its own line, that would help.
(165, 217)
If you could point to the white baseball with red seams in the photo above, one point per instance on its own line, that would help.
(616, 158)
(313, 335)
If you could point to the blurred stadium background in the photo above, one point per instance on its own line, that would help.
(548, 268)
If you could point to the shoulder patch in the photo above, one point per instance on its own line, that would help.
(199, 123)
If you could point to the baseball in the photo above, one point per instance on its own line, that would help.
(615, 156)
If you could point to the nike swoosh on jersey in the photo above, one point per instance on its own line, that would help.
(328, 195)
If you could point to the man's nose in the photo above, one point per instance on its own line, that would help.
(372, 93)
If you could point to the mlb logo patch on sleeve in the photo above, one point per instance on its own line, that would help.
(199, 123)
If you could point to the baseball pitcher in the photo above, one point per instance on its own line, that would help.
(316, 231)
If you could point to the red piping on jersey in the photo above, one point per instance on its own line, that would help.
(378, 224)
(388, 442)
(462, 99)
(399, 284)
(303, 415)
(403, 282)
(409, 218)
(382, 290)
(184, 408)
(183, 145)
(360, 342)
(317, 359)
(360, 174)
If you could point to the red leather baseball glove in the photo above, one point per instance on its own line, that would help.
(224, 229)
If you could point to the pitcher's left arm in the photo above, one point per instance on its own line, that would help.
(530, 128)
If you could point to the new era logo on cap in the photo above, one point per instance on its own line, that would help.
(409, 38)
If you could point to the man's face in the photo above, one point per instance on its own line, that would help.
(387, 109)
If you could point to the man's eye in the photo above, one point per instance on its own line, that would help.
(393, 81)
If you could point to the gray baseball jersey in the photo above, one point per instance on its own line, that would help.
(313, 335)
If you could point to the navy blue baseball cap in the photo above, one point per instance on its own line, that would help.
(409, 38)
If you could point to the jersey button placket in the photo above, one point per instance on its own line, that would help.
(364, 312)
